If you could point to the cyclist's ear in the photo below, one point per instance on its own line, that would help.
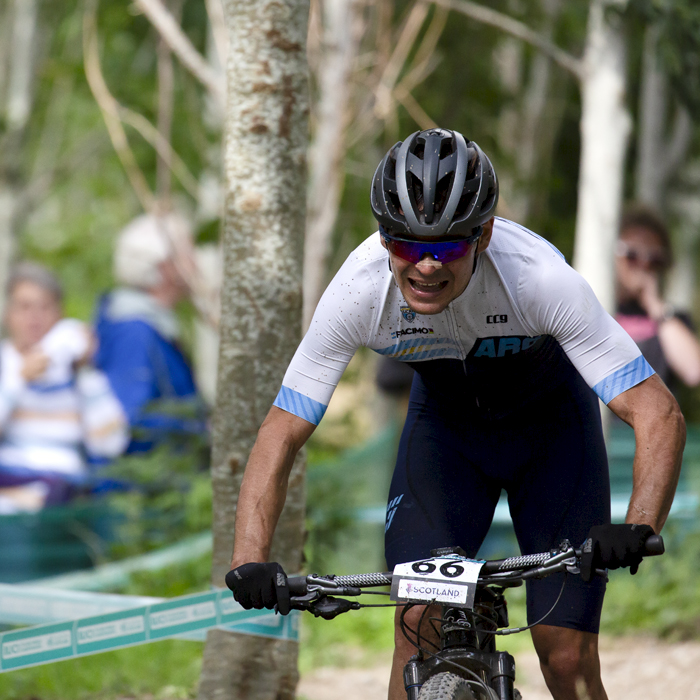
(485, 237)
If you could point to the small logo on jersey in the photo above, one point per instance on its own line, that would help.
(503, 346)
(497, 318)
(411, 331)
(408, 313)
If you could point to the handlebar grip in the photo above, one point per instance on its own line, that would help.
(297, 585)
(654, 546)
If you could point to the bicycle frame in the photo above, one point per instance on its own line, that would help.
(468, 644)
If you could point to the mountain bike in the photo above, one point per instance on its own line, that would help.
(465, 665)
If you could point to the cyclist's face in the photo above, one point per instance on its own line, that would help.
(429, 286)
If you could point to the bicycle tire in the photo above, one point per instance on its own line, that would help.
(446, 686)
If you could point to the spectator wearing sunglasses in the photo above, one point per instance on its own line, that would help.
(664, 335)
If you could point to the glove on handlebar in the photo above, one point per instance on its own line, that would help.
(613, 547)
(260, 586)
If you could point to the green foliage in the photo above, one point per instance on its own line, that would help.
(339, 489)
(167, 670)
(355, 638)
(80, 196)
(662, 598)
(191, 577)
(170, 495)
(678, 22)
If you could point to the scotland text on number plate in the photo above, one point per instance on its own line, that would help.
(450, 579)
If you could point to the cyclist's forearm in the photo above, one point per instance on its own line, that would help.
(657, 465)
(659, 431)
(264, 488)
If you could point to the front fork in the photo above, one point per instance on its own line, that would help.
(495, 668)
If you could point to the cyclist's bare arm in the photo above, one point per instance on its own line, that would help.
(264, 486)
(659, 430)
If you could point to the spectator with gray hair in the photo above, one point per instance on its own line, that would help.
(54, 407)
(138, 331)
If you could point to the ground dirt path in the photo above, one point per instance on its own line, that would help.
(633, 669)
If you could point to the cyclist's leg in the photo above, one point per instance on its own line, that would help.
(569, 662)
(437, 498)
(561, 495)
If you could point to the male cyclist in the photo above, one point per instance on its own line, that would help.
(512, 351)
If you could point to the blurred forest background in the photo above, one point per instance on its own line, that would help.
(110, 109)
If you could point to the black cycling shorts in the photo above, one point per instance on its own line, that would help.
(550, 459)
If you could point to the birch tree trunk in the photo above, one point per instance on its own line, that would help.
(339, 46)
(605, 127)
(658, 156)
(685, 205)
(18, 67)
(264, 162)
(526, 127)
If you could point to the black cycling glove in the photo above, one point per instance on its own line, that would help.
(260, 586)
(613, 547)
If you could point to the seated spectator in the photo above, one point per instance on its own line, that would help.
(138, 332)
(664, 335)
(54, 408)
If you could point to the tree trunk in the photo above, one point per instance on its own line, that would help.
(265, 148)
(685, 207)
(659, 156)
(653, 103)
(338, 50)
(605, 126)
(18, 67)
(526, 127)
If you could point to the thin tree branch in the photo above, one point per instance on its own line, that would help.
(166, 86)
(217, 21)
(678, 143)
(515, 28)
(407, 38)
(162, 147)
(418, 114)
(425, 61)
(110, 108)
(172, 34)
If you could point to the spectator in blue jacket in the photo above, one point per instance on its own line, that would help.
(138, 332)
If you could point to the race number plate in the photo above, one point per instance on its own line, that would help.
(449, 579)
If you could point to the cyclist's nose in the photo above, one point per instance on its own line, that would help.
(427, 265)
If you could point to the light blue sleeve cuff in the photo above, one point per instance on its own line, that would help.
(299, 405)
(622, 379)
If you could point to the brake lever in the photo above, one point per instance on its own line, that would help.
(326, 607)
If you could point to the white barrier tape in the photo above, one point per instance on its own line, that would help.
(35, 605)
(176, 617)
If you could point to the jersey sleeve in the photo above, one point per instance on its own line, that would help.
(558, 301)
(340, 325)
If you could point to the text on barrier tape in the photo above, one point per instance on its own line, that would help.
(140, 625)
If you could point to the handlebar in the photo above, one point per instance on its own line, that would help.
(654, 546)
(307, 589)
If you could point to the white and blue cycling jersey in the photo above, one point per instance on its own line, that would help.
(525, 320)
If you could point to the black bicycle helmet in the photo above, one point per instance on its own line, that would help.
(435, 185)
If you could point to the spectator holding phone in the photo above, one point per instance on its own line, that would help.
(664, 335)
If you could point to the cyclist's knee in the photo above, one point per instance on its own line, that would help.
(567, 655)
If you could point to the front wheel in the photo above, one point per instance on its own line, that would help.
(445, 686)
